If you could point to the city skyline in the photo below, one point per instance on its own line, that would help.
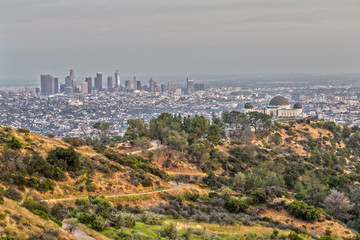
(179, 38)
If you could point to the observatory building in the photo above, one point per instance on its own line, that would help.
(279, 107)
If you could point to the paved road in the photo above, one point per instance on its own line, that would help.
(78, 233)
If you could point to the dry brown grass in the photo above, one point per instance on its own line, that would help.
(317, 228)
(22, 223)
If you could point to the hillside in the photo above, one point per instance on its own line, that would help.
(241, 176)
(16, 222)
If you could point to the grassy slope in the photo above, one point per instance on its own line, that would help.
(21, 223)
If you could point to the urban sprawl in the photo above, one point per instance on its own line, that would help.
(68, 110)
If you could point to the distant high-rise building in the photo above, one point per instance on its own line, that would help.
(135, 82)
(152, 85)
(189, 85)
(196, 87)
(110, 85)
(127, 84)
(201, 87)
(89, 82)
(84, 87)
(37, 91)
(56, 85)
(138, 85)
(98, 81)
(62, 88)
(69, 90)
(72, 75)
(163, 87)
(171, 87)
(117, 79)
(48, 84)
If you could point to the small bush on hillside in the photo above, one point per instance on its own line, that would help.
(235, 205)
(13, 194)
(23, 130)
(74, 141)
(301, 210)
(14, 143)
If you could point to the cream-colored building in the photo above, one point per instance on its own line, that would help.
(279, 107)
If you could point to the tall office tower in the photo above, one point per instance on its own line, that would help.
(171, 87)
(56, 85)
(47, 84)
(68, 81)
(163, 87)
(196, 87)
(201, 87)
(98, 81)
(69, 90)
(62, 87)
(84, 87)
(27, 90)
(138, 85)
(135, 82)
(151, 85)
(72, 75)
(37, 91)
(117, 79)
(127, 84)
(189, 85)
(89, 82)
(110, 85)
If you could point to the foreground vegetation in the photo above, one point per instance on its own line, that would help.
(247, 168)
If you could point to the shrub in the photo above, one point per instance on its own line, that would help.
(23, 130)
(74, 141)
(14, 143)
(169, 231)
(259, 197)
(32, 205)
(294, 236)
(301, 210)
(98, 223)
(1, 200)
(59, 175)
(32, 182)
(57, 211)
(235, 205)
(13, 194)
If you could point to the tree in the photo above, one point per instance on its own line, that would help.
(311, 189)
(337, 203)
(136, 128)
(104, 130)
(239, 181)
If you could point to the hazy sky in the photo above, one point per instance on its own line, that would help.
(178, 36)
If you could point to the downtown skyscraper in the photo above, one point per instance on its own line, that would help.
(98, 82)
(49, 84)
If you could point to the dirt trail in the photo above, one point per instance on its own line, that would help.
(155, 145)
(174, 186)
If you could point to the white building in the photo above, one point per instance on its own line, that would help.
(279, 107)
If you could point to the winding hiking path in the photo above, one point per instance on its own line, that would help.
(155, 145)
(174, 186)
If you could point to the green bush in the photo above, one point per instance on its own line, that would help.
(301, 210)
(32, 182)
(294, 236)
(32, 205)
(14, 143)
(235, 205)
(74, 141)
